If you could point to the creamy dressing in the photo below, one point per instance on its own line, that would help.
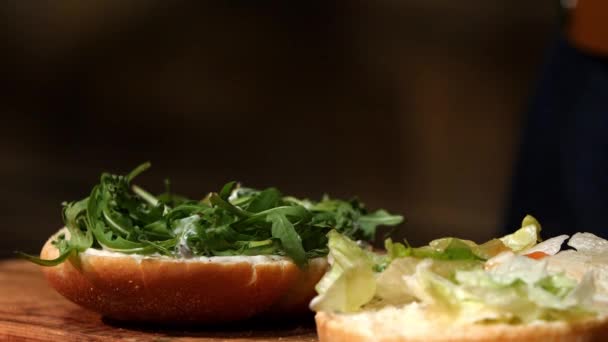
(253, 259)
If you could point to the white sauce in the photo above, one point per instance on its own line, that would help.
(254, 259)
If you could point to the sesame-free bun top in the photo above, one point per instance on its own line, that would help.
(201, 290)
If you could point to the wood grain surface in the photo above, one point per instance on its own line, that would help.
(32, 311)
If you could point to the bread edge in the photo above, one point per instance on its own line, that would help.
(169, 291)
(332, 327)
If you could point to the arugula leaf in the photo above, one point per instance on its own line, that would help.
(65, 251)
(46, 262)
(75, 221)
(265, 200)
(283, 230)
(123, 217)
(227, 190)
(139, 169)
(217, 200)
(369, 222)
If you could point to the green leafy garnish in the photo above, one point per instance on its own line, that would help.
(122, 217)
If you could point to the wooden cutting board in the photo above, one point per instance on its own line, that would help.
(31, 311)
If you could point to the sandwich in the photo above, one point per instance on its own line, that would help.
(237, 253)
(508, 289)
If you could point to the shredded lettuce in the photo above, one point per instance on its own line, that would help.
(351, 281)
(440, 249)
(521, 289)
(590, 256)
(455, 278)
(391, 286)
(451, 248)
(550, 246)
(590, 244)
(524, 238)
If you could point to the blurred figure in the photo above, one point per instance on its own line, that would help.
(562, 173)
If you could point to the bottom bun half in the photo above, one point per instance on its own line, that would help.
(412, 325)
(183, 291)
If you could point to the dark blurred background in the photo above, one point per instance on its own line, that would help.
(414, 106)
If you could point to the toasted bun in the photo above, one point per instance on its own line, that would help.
(411, 324)
(182, 291)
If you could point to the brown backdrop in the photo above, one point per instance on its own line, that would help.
(411, 105)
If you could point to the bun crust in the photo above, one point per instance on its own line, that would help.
(345, 328)
(182, 291)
